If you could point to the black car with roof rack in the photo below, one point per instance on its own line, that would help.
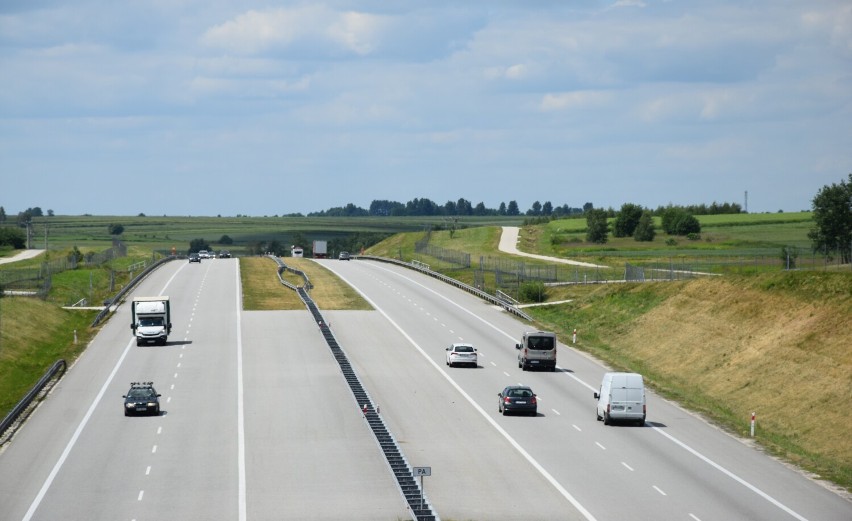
(142, 398)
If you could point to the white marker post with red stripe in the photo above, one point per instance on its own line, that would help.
(752, 424)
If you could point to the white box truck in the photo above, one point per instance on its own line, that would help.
(320, 249)
(151, 320)
(621, 398)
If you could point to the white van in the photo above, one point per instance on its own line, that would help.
(537, 350)
(621, 398)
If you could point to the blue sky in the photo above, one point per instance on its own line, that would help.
(189, 107)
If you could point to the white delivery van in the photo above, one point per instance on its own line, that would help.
(621, 398)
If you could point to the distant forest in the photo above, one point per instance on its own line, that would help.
(463, 207)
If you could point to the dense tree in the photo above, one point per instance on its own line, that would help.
(27, 215)
(645, 231)
(381, 208)
(687, 224)
(196, 245)
(299, 240)
(75, 255)
(480, 209)
(677, 221)
(596, 226)
(535, 209)
(587, 207)
(115, 229)
(13, 237)
(513, 208)
(547, 208)
(832, 210)
(533, 291)
(626, 220)
(276, 248)
(226, 240)
(500, 211)
(2, 214)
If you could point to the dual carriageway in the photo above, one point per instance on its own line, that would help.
(258, 422)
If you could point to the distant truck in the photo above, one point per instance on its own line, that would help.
(320, 249)
(151, 320)
(537, 350)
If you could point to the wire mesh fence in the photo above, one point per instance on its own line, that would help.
(38, 278)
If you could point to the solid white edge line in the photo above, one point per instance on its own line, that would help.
(731, 475)
(49, 481)
(50, 477)
(241, 434)
(558, 486)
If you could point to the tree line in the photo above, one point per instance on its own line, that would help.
(420, 207)
(832, 211)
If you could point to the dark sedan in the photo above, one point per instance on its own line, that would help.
(517, 399)
(141, 399)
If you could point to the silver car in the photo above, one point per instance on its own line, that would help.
(462, 354)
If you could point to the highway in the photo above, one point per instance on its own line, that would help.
(258, 424)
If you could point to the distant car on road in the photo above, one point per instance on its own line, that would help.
(204, 254)
(344, 255)
(142, 398)
(462, 354)
(224, 254)
(517, 398)
(194, 257)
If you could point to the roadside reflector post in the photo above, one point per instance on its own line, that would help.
(75, 336)
(752, 425)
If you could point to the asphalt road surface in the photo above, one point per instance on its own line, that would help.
(258, 423)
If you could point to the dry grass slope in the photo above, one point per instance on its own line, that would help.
(741, 347)
(263, 291)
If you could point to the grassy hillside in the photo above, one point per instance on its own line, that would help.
(776, 344)
(29, 346)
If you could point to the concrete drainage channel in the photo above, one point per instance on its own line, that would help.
(417, 502)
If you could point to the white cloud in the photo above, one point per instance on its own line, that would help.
(517, 71)
(573, 100)
(273, 30)
(357, 32)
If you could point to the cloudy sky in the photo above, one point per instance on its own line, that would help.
(214, 107)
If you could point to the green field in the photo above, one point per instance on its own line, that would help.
(164, 232)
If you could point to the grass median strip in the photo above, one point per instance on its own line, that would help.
(263, 291)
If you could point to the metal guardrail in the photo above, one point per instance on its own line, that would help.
(449, 280)
(58, 368)
(418, 504)
(283, 267)
(60, 365)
